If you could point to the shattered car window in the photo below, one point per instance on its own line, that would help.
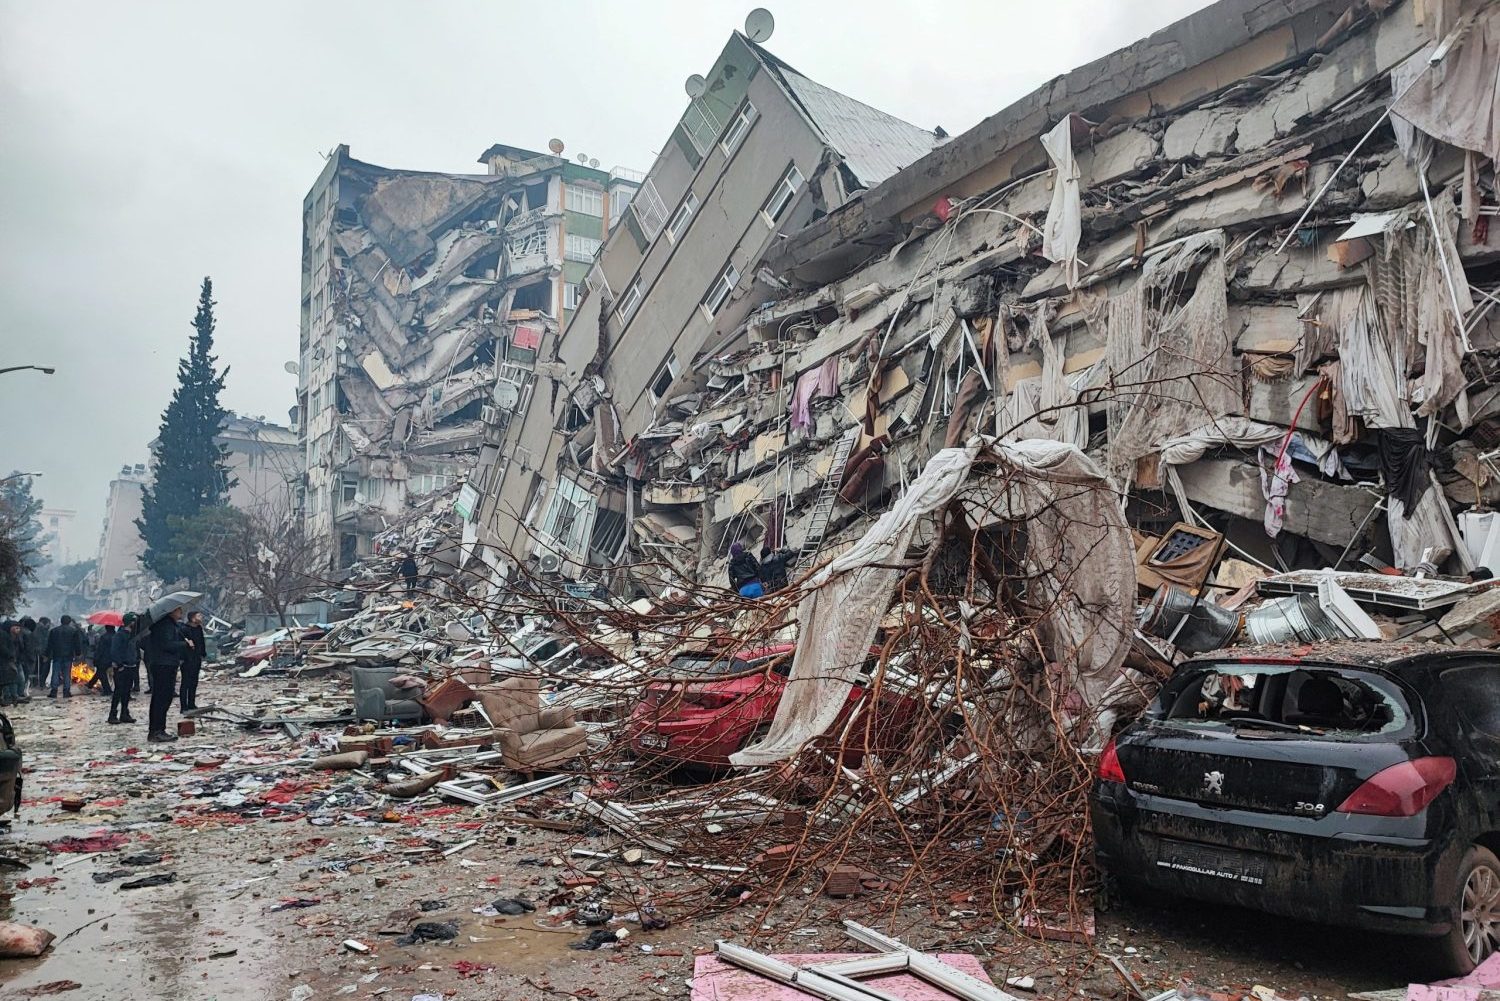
(701, 666)
(1288, 699)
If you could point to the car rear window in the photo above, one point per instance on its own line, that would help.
(704, 666)
(1287, 699)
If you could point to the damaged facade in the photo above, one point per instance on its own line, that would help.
(761, 152)
(1213, 259)
(425, 298)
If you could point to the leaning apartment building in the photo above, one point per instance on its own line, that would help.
(425, 300)
(1250, 263)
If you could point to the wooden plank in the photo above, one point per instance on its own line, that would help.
(1324, 512)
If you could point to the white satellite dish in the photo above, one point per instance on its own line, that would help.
(759, 25)
(507, 394)
(593, 163)
(583, 158)
(556, 146)
(695, 85)
(291, 368)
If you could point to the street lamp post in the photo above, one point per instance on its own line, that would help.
(17, 476)
(22, 368)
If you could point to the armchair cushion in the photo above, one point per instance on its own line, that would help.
(530, 737)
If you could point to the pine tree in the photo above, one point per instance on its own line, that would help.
(189, 463)
(21, 538)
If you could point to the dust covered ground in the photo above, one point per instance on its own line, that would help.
(273, 868)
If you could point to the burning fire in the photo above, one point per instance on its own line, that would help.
(82, 672)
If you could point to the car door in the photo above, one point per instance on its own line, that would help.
(1464, 703)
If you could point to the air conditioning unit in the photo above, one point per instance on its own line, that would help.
(489, 414)
(550, 563)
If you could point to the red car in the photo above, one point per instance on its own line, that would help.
(709, 706)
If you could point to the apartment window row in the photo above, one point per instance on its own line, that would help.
(577, 247)
(589, 201)
(782, 195)
(426, 483)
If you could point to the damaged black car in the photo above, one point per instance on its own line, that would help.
(1355, 785)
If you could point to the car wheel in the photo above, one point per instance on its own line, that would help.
(1475, 935)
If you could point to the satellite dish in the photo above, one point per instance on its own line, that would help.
(759, 25)
(593, 162)
(556, 146)
(507, 394)
(696, 85)
(583, 158)
(291, 368)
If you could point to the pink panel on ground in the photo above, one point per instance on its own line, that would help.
(716, 980)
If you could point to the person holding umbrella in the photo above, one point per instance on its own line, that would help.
(164, 649)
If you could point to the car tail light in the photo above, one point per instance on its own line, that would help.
(1402, 790)
(1109, 764)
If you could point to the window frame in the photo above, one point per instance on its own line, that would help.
(738, 128)
(630, 300)
(679, 222)
(783, 187)
(672, 369)
(722, 283)
(572, 295)
(572, 254)
(593, 199)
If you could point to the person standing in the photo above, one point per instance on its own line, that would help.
(43, 658)
(164, 650)
(29, 656)
(775, 567)
(64, 647)
(409, 571)
(125, 659)
(10, 665)
(744, 573)
(192, 662)
(104, 643)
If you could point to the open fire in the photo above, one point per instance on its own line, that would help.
(82, 672)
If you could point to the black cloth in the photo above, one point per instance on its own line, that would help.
(65, 642)
(164, 646)
(124, 652)
(742, 570)
(127, 680)
(103, 647)
(188, 697)
(163, 687)
(775, 568)
(1404, 464)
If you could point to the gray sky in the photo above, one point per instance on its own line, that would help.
(145, 145)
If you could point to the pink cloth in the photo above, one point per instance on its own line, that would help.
(822, 381)
(716, 980)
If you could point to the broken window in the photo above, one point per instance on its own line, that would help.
(572, 295)
(532, 241)
(537, 296)
(661, 383)
(700, 125)
(720, 291)
(420, 484)
(570, 518)
(578, 247)
(737, 128)
(595, 280)
(682, 216)
(348, 489)
(782, 195)
(630, 300)
(575, 418)
(536, 195)
(1288, 698)
(589, 201)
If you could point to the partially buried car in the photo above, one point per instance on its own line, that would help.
(706, 705)
(1354, 784)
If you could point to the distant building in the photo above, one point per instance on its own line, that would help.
(425, 300)
(758, 154)
(56, 538)
(265, 464)
(120, 543)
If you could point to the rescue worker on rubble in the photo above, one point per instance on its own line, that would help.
(192, 662)
(744, 573)
(409, 571)
(775, 566)
(164, 650)
(104, 642)
(124, 659)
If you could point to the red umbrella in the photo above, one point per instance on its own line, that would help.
(108, 617)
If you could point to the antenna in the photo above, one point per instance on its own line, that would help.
(695, 85)
(759, 25)
(556, 146)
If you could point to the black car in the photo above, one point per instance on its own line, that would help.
(1356, 784)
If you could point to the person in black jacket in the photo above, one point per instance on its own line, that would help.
(64, 647)
(192, 662)
(43, 658)
(104, 644)
(164, 650)
(30, 655)
(744, 572)
(125, 659)
(409, 571)
(10, 669)
(775, 567)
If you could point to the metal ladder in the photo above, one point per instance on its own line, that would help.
(828, 498)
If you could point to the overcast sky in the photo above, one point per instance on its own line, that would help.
(145, 145)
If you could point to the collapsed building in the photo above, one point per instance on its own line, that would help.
(425, 297)
(1247, 263)
(760, 151)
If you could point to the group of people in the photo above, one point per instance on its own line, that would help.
(752, 578)
(172, 643)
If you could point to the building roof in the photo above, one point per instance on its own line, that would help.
(874, 144)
